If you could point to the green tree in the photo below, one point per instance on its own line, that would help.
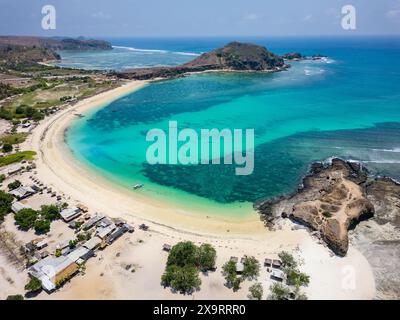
(58, 253)
(288, 261)
(15, 297)
(37, 116)
(251, 267)
(72, 244)
(50, 212)
(256, 291)
(7, 147)
(42, 226)
(279, 292)
(5, 203)
(229, 271)
(2, 178)
(183, 279)
(206, 256)
(25, 218)
(296, 278)
(33, 285)
(182, 254)
(236, 283)
(14, 185)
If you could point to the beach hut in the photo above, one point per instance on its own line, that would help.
(17, 206)
(239, 268)
(129, 228)
(115, 235)
(278, 275)
(276, 264)
(22, 192)
(167, 247)
(268, 262)
(70, 213)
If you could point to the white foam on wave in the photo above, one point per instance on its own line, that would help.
(396, 150)
(140, 50)
(157, 51)
(324, 60)
(313, 71)
(383, 161)
(186, 53)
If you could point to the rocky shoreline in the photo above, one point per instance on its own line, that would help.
(365, 213)
(333, 198)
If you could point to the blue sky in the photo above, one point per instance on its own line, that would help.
(172, 18)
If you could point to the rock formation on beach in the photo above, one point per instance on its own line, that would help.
(332, 200)
(235, 56)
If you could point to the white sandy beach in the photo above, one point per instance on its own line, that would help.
(106, 275)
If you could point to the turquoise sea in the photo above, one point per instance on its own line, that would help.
(347, 105)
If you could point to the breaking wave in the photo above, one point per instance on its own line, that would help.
(157, 51)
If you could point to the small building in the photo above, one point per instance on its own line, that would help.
(22, 192)
(83, 208)
(167, 247)
(17, 206)
(268, 262)
(52, 271)
(92, 244)
(129, 228)
(239, 268)
(277, 274)
(12, 169)
(80, 253)
(115, 235)
(44, 254)
(92, 221)
(103, 223)
(29, 248)
(102, 233)
(70, 213)
(276, 264)
(63, 245)
(119, 222)
(41, 244)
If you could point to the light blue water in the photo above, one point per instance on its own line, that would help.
(347, 105)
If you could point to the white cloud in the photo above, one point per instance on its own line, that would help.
(393, 14)
(251, 17)
(101, 15)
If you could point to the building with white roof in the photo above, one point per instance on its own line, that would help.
(93, 243)
(80, 253)
(17, 206)
(52, 271)
(70, 213)
(22, 192)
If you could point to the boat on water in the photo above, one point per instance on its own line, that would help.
(137, 186)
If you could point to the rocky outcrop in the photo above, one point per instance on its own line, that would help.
(235, 56)
(14, 49)
(293, 56)
(332, 200)
(378, 239)
(239, 56)
(55, 43)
